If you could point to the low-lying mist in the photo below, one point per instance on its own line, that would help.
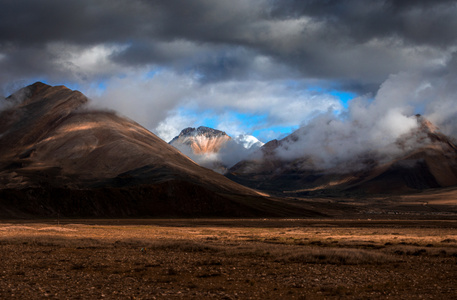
(228, 155)
(382, 127)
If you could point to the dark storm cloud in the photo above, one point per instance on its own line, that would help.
(419, 22)
(355, 43)
(82, 22)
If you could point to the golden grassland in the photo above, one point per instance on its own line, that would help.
(228, 259)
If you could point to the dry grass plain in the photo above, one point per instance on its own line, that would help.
(228, 259)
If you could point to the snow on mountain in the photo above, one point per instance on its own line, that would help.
(213, 148)
(248, 141)
(58, 156)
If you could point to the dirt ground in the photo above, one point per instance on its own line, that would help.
(228, 259)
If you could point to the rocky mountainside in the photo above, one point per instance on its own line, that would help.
(201, 140)
(213, 148)
(430, 163)
(57, 157)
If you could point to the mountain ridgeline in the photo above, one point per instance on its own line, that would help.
(424, 159)
(58, 157)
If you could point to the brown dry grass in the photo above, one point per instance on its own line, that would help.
(229, 260)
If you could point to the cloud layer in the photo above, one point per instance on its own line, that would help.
(383, 127)
(258, 63)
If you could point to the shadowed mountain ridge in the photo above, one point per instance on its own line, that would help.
(426, 159)
(58, 157)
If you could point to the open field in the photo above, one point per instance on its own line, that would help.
(229, 259)
(428, 204)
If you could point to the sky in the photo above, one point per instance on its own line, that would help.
(261, 67)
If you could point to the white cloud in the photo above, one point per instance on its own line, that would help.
(174, 123)
(166, 101)
(147, 101)
(85, 62)
(283, 104)
(374, 125)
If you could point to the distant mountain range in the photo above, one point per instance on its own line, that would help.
(57, 157)
(427, 159)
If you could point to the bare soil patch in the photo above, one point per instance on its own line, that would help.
(228, 259)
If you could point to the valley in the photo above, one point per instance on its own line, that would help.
(247, 149)
(93, 205)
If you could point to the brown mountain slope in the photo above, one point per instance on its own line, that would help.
(57, 158)
(201, 140)
(432, 164)
(202, 145)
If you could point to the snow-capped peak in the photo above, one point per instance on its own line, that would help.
(248, 141)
